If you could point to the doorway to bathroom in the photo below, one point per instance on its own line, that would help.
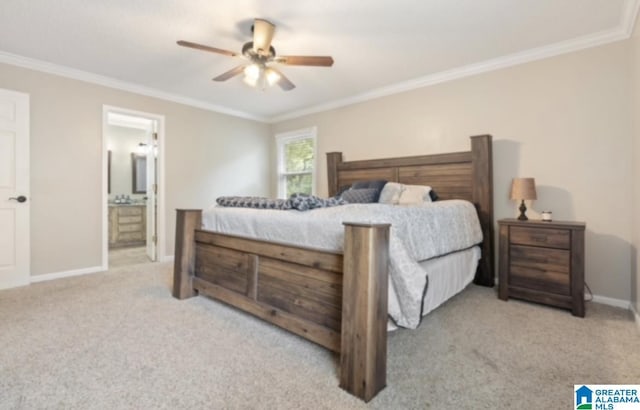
(133, 197)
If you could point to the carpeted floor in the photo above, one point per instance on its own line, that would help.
(118, 340)
(120, 257)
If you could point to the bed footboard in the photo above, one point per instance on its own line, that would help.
(336, 300)
(187, 222)
(363, 353)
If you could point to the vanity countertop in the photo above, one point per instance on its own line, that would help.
(131, 204)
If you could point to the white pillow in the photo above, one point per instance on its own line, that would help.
(390, 194)
(394, 193)
(414, 195)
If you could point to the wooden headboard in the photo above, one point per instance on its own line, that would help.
(459, 175)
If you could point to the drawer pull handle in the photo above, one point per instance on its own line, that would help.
(543, 261)
(539, 238)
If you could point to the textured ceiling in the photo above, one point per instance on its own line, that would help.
(379, 46)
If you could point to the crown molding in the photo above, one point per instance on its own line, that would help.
(622, 32)
(49, 68)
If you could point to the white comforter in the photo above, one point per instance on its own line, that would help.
(417, 233)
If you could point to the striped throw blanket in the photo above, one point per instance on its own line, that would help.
(299, 202)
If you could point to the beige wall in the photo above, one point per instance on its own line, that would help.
(565, 121)
(635, 272)
(206, 155)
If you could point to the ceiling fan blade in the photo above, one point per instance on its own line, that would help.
(323, 61)
(231, 73)
(283, 81)
(262, 35)
(206, 48)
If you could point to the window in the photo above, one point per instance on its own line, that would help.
(296, 162)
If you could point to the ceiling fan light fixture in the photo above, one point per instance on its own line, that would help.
(252, 82)
(259, 53)
(260, 76)
(252, 71)
(272, 76)
(252, 74)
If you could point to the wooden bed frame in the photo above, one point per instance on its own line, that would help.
(336, 300)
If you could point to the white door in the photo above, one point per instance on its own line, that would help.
(14, 189)
(152, 184)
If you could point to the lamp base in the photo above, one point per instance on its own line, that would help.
(522, 209)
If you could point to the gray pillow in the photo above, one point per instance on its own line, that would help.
(361, 196)
(377, 184)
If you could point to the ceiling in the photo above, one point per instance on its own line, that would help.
(380, 47)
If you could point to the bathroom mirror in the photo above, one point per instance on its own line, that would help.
(139, 173)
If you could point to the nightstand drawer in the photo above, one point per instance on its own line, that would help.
(552, 238)
(545, 281)
(541, 259)
(542, 269)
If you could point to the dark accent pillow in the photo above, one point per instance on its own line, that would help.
(377, 184)
(341, 190)
(433, 195)
(361, 196)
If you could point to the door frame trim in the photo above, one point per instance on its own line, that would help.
(160, 196)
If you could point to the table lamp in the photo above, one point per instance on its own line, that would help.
(522, 189)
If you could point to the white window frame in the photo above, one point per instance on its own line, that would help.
(281, 141)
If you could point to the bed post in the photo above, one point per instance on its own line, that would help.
(482, 193)
(187, 221)
(333, 160)
(363, 352)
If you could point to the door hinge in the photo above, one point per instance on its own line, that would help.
(154, 238)
(155, 136)
(155, 189)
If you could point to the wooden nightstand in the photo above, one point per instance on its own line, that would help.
(543, 262)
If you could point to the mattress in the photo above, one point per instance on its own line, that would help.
(421, 232)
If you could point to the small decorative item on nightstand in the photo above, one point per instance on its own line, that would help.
(546, 216)
(543, 262)
(521, 189)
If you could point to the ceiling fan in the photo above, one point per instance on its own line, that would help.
(259, 72)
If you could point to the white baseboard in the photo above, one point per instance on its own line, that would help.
(8, 284)
(624, 304)
(66, 274)
(78, 272)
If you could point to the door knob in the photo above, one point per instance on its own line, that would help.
(20, 199)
